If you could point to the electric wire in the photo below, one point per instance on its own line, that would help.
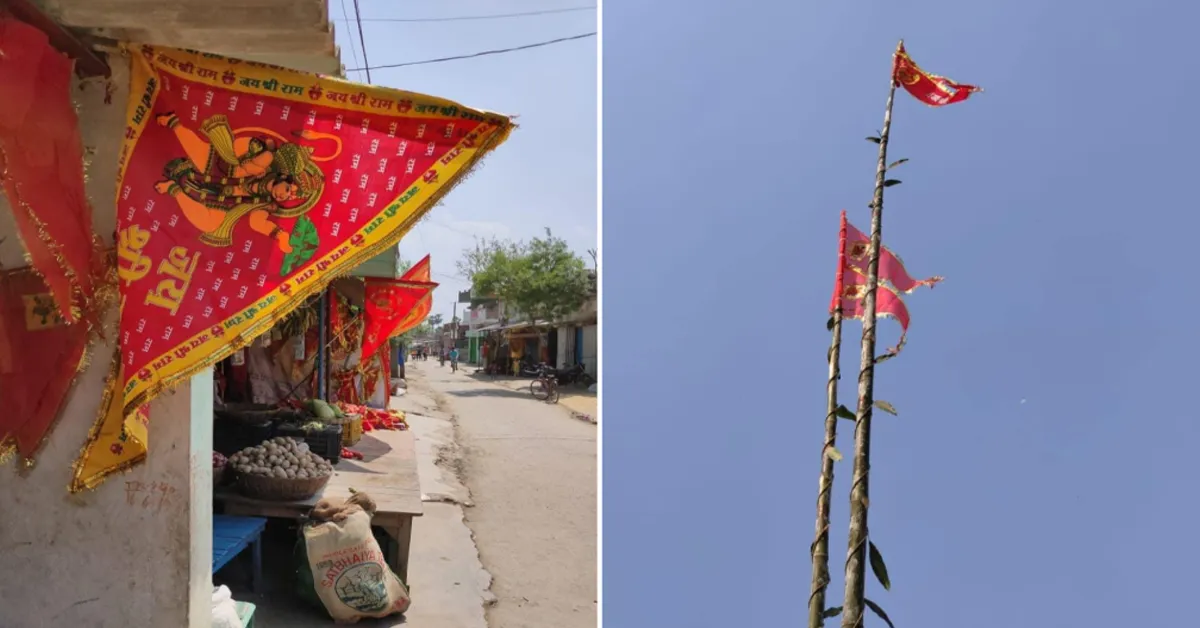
(495, 16)
(477, 54)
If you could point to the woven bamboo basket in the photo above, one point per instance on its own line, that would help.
(279, 489)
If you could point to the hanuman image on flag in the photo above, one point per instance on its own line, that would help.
(253, 173)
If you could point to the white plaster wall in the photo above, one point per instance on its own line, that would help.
(591, 349)
(117, 556)
(565, 336)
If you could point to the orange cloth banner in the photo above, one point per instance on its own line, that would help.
(245, 188)
(387, 303)
(419, 272)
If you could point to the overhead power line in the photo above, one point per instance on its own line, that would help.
(477, 54)
(353, 50)
(497, 16)
(362, 40)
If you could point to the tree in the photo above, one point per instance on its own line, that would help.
(434, 320)
(402, 266)
(479, 258)
(541, 278)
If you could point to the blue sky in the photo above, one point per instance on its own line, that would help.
(545, 175)
(1039, 472)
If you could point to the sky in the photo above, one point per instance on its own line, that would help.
(545, 174)
(1040, 471)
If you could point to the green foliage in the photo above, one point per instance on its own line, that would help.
(886, 407)
(890, 182)
(403, 266)
(304, 242)
(424, 330)
(541, 278)
(832, 612)
(833, 453)
(879, 567)
(875, 608)
(434, 320)
(843, 412)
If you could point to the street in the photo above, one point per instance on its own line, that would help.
(529, 470)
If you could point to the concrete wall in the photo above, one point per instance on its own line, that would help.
(121, 555)
(591, 349)
(566, 339)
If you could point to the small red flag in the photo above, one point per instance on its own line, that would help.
(857, 244)
(419, 271)
(930, 89)
(387, 303)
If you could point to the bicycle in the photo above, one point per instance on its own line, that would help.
(545, 387)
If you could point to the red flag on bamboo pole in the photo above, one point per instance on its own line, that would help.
(891, 268)
(245, 188)
(887, 303)
(930, 89)
(850, 283)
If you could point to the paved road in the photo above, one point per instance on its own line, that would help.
(531, 471)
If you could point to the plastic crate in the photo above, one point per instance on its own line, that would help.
(325, 442)
(233, 435)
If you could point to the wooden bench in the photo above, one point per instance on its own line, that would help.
(231, 535)
(388, 473)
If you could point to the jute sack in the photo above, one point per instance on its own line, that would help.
(349, 571)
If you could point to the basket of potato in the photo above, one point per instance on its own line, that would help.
(280, 469)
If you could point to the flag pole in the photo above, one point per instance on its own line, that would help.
(820, 545)
(856, 556)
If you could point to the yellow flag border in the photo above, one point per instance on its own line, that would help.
(461, 166)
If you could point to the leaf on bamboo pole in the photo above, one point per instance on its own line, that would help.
(829, 324)
(832, 612)
(879, 611)
(833, 453)
(886, 407)
(897, 163)
(843, 412)
(879, 567)
(890, 182)
(874, 139)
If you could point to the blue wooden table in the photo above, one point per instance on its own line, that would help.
(231, 535)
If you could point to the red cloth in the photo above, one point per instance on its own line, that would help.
(387, 304)
(887, 303)
(419, 272)
(891, 269)
(45, 357)
(930, 89)
(41, 163)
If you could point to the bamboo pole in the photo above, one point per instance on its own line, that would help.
(856, 557)
(820, 546)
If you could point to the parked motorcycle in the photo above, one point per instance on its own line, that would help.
(576, 374)
(531, 370)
